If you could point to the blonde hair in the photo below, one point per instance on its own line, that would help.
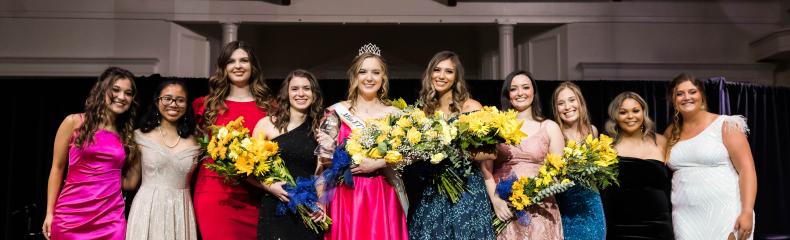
(584, 123)
(353, 85)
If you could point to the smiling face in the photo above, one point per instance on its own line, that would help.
(630, 116)
(568, 106)
(443, 76)
(238, 68)
(172, 103)
(688, 98)
(121, 95)
(369, 76)
(300, 94)
(521, 93)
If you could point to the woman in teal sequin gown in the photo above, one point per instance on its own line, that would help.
(580, 207)
(433, 216)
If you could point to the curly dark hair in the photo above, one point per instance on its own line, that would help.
(96, 112)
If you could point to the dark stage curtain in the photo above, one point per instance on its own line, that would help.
(34, 108)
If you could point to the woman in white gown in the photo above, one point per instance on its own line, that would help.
(714, 182)
(162, 208)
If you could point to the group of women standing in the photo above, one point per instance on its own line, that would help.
(698, 182)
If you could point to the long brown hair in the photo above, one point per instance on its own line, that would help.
(613, 129)
(96, 113)
(219, 84)
(429, 96)
(584, 123)
(282, 114)
(677, 119)
(353, 85)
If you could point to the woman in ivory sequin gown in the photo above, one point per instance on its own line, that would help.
(714, 183)
(162, 207)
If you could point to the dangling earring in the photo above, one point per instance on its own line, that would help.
(158, 118)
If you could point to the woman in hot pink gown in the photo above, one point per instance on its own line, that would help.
(97, 144)
(374, 208)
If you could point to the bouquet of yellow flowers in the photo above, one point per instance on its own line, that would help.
(403, 137)
(593, 163)
(407, 136)
(487, 128)
(237, 155)
(525, 191)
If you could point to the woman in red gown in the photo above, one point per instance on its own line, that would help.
(224, 210)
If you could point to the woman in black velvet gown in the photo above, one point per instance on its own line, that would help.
(640, 207)
(290, 125)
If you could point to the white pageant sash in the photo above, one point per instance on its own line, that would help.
(393, 178)
(345, 115)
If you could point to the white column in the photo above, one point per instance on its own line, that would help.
(230, 32)
(506, 51)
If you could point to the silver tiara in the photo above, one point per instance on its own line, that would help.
(370, 48)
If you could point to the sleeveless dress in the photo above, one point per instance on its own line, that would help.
(296, 150)
(162, 208)
(706, 197)
(223, 210)
(525, 160)
(369, 210)
(90, 205)
(640, 207)
(435, 217)
(582, 214)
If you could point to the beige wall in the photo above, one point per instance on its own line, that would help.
(556, 40)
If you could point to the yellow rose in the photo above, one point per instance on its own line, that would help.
(395, 142)
(404, 122)
(375, 153)
(393, 157)
(413, 136)
(432, 134)
(397, 132)
(353, 147)
(437, 158)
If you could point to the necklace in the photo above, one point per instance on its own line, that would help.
(164, 139)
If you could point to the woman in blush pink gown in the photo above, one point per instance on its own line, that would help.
(98, 144)
(520, 93)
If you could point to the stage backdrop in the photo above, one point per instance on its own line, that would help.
(34, 107)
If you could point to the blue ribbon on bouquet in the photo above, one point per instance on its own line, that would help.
(505, 189)
(339, 172)
(303, 193)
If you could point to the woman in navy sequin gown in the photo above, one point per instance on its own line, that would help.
(434, 216)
